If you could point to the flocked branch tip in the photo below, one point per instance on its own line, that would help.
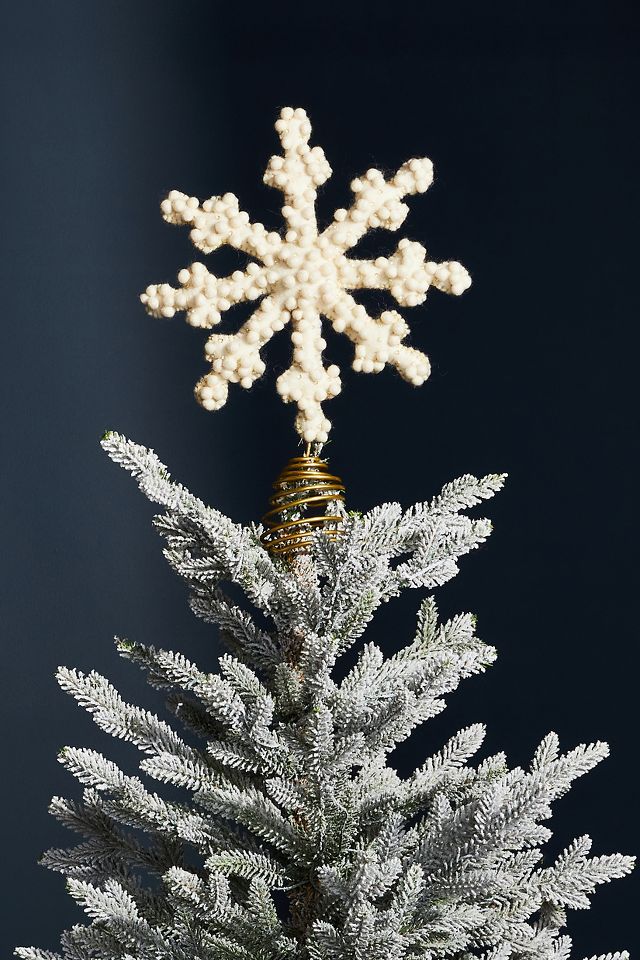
(304, 275)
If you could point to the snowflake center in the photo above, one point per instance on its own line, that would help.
(299, 275)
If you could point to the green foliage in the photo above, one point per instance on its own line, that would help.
(295, 837)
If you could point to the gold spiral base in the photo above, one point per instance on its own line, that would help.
(302, 493)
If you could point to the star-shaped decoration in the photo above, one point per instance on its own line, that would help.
(303, 276)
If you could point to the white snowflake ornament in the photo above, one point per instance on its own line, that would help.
(303, 276)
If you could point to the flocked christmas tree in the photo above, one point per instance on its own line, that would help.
(296, 838)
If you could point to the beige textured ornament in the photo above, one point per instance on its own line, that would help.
(303, 276)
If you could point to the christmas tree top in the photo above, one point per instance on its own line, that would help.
(303, 275)
(288, 832)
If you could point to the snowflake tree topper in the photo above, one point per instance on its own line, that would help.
(303, 276)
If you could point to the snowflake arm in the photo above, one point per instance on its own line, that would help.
(378, 341)
(407, 274)
(203, 296)
(219, 221)
(298, 174)
(378, 203)
(307, 382)
(303, 276)
(235, 358)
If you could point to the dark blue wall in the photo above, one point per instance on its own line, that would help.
(530, 116)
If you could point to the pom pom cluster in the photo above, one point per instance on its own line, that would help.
(302, 276)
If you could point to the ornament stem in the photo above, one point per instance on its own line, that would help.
(307, 498)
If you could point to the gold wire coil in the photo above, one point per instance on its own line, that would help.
(302, 492)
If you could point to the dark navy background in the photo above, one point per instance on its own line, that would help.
(530, 116)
